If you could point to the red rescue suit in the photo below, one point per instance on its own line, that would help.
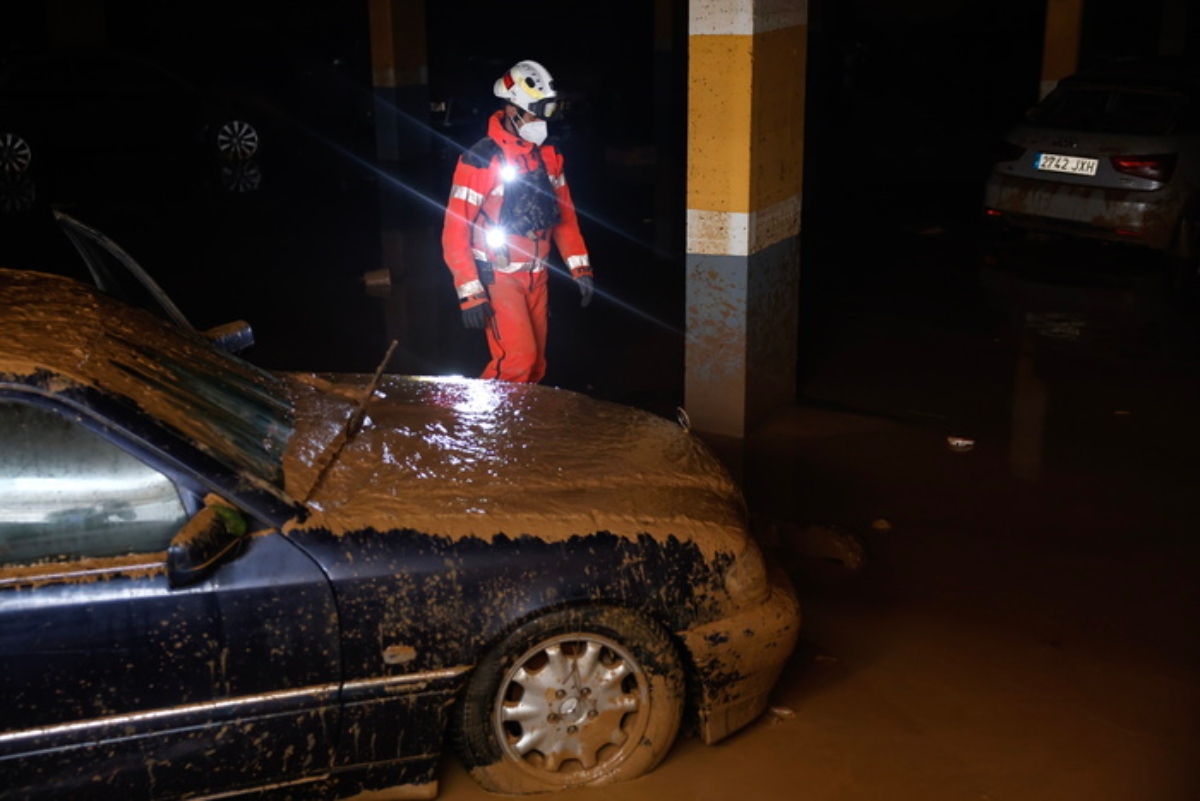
(519, 295)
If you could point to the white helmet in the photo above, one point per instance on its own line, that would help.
(528, 85)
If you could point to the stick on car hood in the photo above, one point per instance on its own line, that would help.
(465, 457)
(350, 427)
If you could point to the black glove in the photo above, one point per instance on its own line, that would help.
(586, 288)
(478, 316)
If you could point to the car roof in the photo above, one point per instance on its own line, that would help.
(56, 329)
(52, 320)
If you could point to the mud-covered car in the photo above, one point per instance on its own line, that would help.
(216, 580)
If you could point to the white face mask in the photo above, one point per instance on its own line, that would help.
(534, 132)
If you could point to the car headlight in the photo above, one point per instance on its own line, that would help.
(746, 578)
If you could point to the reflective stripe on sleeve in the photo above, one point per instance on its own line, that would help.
(466, 193)
(558, 181)
(468, 289)
(575, 262)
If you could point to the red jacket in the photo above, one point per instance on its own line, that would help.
(476, 196)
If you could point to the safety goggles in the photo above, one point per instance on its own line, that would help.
(545, 108)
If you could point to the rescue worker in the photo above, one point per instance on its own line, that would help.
(508, 200)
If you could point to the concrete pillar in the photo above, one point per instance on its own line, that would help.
(1060, 49)
(400, 75)
(744, 178)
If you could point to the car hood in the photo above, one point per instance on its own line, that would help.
(473, 458)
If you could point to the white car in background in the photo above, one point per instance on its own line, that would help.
(1110, 157)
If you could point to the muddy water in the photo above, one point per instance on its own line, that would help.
(1007, 639)
(1019, 631)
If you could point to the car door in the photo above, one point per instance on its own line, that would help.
(114, 681)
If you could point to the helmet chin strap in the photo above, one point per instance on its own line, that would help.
(512, 122)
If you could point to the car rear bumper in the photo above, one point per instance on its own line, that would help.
(738, 659)
(1149, 219)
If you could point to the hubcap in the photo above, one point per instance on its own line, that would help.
(237, 139)
(571, 704)
(15, 154)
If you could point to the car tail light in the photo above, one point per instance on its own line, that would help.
(1154, 168)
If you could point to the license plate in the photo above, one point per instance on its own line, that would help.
(1076, 165)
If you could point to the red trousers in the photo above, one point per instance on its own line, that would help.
(516, 336)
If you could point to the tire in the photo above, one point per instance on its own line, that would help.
(579, 697)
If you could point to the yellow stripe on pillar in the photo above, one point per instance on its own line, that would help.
(720, 77)
(1060, 48)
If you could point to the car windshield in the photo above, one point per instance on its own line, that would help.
(1114, 110)
(240, 414)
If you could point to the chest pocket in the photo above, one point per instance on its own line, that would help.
(530, 205)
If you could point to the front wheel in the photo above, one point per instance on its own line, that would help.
(579, 697)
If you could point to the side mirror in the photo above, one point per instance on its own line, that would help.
(232, 337)
(212, 535)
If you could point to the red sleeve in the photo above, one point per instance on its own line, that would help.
(567, 236)
(466, 198)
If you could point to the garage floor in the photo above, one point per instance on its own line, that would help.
(1024, 626)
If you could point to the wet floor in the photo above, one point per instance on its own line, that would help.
(1024, 626)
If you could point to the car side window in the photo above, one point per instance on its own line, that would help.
(67, 493)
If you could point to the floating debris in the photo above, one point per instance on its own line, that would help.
(1057, 325)
(881, 525)
(377, 278)
(782, 713)
(960, 444)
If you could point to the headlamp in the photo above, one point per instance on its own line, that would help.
(496, 238)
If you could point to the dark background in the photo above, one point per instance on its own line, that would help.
(1025, 622)
(906, 102)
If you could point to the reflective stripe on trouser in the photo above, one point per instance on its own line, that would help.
(517, 334)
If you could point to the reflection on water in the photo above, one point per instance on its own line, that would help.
(240, 177)
(1098, 328)
(18, 192)
(1100, 297)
